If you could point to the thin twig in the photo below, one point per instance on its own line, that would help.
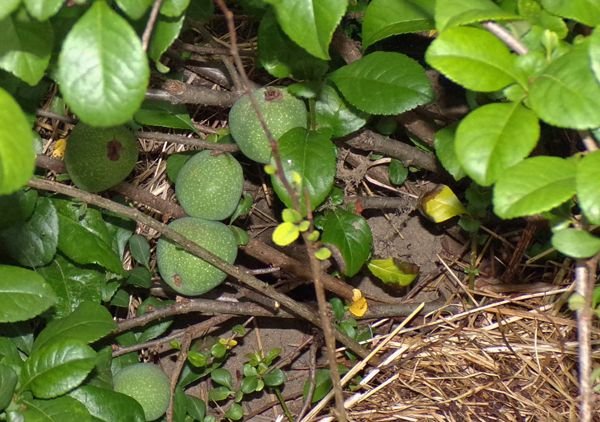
(506, 37)
(195, 249)
(184, 140)
(150, 24)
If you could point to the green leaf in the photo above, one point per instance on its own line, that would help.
(494, 137)
(310, 23)
(594, 53)
(196, 408)
(333, 112)
(25, 46)
(201, 10)
(274, 378)
(102, 69)
(12, 336)
(174, 8)
(585, 11)
(322, 385)
(384, 18)
(588, 188)
(165, 32)
(155, 329)
(162, 114)
(219, 393)
(83, 246)
(72, 284)
(88, 323)
(397, 172)
(312, 155)
(473, 58)
(351, 235)
(175, 162)
(17, 157)
(576, 243)
(57, 368)
(463, 12)
(7, 7)
(140, 249)
(33, 243)
(107, 405)
(140, 277)
(533, 186)
(384, 83)
(43, 9)
(566, 93)
(281, 57)
(16, 208)
(235, 412)
(23, 294)
(222, 377)
(135, 9)
(8, 382)
(249, 384)
(392, 272)
(62, 409)
(445, 140)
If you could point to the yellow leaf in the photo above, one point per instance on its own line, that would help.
(285, 233)
(323, 254)
(314, 236)
(304, 225)
(440, 204)
(296, 178)
(393, 272)
(228, 343)
(290, 215)
(270, 169)
(59, 148)
(359, 305)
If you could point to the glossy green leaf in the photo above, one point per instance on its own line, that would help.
(23, 294)
(155, 329)
(567, 93)
(25, 46)
(162, 114)
(43, 9)
(274, 378)
(15, 337)
(165, 32)
(310, 23)
(17, 157)
(494, 137)
(196, 408)
(352, 237)
(393, 272)
(281, 57)
(594, 53)
(102, 69)
(8, 383)
(7, 7)
(585, 11)
(576, 243)
(384, 83)
(444, 143)
(140, 249)
(140, 277)
(312, 155)
(384, 18)
(83, 246)
(463, 12)
(222, 377)
(219, 393)
(88, 323)
(107, 405)
(72, 284)
(135, 9)
(533, 186)
(588, 186)
(62, 409)
(333, 112)
(33, 243)
(473, 58)
(57, 368)
(322, 385)
(175, 162)
(174, 8)
(16, 208)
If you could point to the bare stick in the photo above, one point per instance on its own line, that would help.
(506, 37)
(192, 247)
(184, 140)
(150, 24)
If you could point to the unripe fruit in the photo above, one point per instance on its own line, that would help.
(281, 111)
(148, 385)
(210, 185)
(100, 158)
(187, 274)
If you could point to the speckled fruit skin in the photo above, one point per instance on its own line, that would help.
(100, 158)
(187, 274)
(282, 112)
(210, 186)
(148, 385)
